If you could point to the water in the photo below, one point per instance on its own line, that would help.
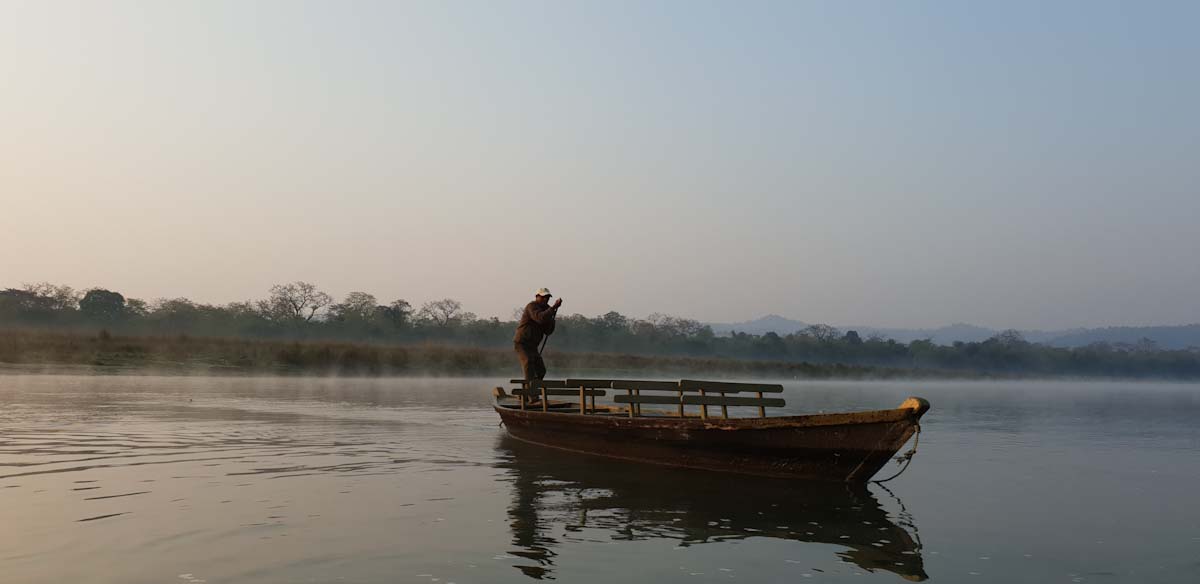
(191, 479)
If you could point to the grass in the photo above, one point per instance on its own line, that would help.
(22, 350)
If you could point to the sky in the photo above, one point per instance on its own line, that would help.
(904, 164)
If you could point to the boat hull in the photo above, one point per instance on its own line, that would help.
(840, 447)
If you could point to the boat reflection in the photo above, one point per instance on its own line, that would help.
(559, 497)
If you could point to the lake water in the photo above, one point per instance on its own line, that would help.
(134, 479)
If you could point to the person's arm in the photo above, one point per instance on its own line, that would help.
(543, 315)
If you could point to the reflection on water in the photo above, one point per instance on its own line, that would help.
(146, 480)
(557, 491)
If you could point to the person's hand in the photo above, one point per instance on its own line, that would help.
(557, 303)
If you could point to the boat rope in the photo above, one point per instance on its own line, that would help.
(904, 517)
(905, 458)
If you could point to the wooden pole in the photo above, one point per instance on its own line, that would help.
(681, 413)
(724, 409)
(582, 402)
(762, 412)
(592, 399)
(545, 406)
(631, 404)
(703, 408)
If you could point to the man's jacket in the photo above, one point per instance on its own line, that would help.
(537, 321)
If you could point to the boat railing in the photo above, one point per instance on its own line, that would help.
(710, 393)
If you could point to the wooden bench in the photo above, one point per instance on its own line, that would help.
(703, 401)
(724, 387)
(541, 391)
(584, 388)
(704, 388)
(548, 383)
(590, 388)
(711, 393)
(535, 387)
(635, 388)
(727, 387)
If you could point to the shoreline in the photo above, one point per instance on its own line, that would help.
(41, 352)
(33, 352)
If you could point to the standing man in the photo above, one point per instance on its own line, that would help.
(537, 322)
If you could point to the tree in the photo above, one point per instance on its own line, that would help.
(821, 332)
(1009, 338)
(136, 307)
(643, 328)
(358, 306)
(771, 346)
(20, 305)
(58, 297)
(613, 321)
(25, 301)
(178, 314)
(168, 307)
(444, 312)
(852, 338)
(399, 313)
(102, 305)
(298, 301)
(1145, 345)
(674, 326)
(248, 310)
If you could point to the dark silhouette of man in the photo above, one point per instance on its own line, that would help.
(537, 322)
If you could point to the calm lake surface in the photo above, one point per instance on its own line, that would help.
(134, 479)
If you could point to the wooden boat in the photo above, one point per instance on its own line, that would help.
(850, 447)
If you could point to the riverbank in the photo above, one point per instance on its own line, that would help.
(25, 351)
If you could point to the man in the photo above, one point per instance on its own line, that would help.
(537, 321)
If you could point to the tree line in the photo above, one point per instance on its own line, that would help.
(301, 311)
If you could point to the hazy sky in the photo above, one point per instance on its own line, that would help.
(1023, 164)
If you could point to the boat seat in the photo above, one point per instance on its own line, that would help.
(575, 392)
(720, 400)
(701, 400)
(727, 387)
(645, 385)
(534, 383)
(601, 383)
(712, 393)
(530, 392)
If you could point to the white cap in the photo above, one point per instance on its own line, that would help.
(543, 292)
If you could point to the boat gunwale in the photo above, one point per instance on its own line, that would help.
(797, 421)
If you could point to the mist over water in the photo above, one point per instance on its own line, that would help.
(204, 479)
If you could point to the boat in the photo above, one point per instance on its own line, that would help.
(849, 447)
(557, 495)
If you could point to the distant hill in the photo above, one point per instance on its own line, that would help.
(785, 326)
(945, 335)
(1166, 337)
(767, 324)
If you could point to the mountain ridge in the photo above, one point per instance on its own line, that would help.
(1164, 336)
